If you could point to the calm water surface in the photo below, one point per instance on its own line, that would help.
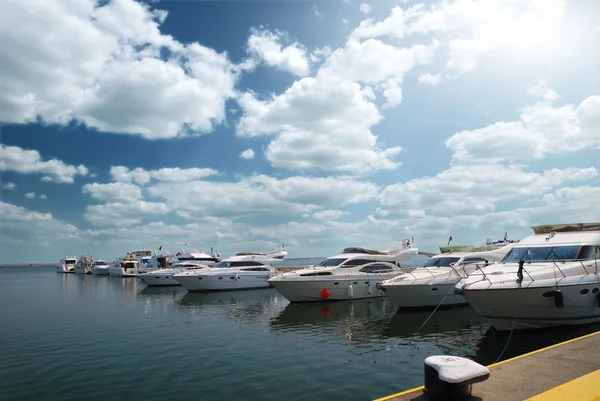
(72, 337)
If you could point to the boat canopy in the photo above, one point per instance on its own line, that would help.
(566, 228)
(363, 250)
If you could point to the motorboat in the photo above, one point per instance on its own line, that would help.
(143, 256)
(100, 268)
(160, 260)
(124, 267)
(433, 284)
(353, 274)
(164, 277)
(84, 264)
(66, 264)
(550, 278)
(243, 271)
(191, 254)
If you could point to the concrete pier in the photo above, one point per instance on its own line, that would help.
(566, 371)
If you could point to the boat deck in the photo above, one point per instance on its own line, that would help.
(566, 371)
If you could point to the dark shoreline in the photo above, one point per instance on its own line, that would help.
(27, 265)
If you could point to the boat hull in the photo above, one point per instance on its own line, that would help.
(120, 272)
(223, 282)
(424, 295)
(340, 289)
(82, 270)
(64, 269)
(100, 271)
(158, 279)
(536, 309)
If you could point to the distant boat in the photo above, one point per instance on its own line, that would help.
(100, 268)
(66, 265)
(85, 264)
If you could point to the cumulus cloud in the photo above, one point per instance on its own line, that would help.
(430, 79)
(30, 195)
(542, 130)
(113, 192)
(123, 214)
(247, 154)
(24, 161)
(267, 46)
(329, 214)
(365, 8)
(110, 73)
(141, 177)
(10, 186)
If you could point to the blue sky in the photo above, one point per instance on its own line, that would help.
(239, 125)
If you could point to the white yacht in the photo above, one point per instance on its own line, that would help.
(124, 267)
(100, 268)
(191, 254)
(240, 272)
(164, 277)
(66, 265)
(353, 274)
(550, 278)
(160, 260)
(433, 284)
(84, 264)
(143, 257)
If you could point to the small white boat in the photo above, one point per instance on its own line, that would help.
(433, 283)
(124, 267)
(243, 271)
(100, 268)
(85, 264)
(551, 278)
(164, 277)
(353, 274)
(66, 265)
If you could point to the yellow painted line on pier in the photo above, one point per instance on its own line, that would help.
(412, 390)
(584, 388)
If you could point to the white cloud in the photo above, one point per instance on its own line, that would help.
(317, 13)
(42, 196)
(267, 46)
(247, 154)
(263, 195)
(30, 195)
(118, 214)
(320, 54)
(543, 130)
(109, 73)
(542, 90)
(430, 79)
(472, 29)
(345, 21)
(365, 8)
(14, 158)
(474, 189)
(10, 186)
(113, 192)
(141, 177)
(329, 214)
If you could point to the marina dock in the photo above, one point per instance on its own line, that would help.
(565, 371)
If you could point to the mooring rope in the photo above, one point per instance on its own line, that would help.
(513, 325)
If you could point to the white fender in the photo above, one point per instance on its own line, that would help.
(350, 291)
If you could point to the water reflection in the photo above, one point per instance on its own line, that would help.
(249, 305)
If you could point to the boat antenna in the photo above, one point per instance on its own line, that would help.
(449, 240)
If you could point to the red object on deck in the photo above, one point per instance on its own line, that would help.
(325, 293)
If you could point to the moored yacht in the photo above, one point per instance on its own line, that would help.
(124, 267)
(66, 265)
(240, 272)
(100, 268)
(164, 277)
(84, 264)
(191, 254)
(160, 260)
(433, 283)
(353, 274)
(550, 278)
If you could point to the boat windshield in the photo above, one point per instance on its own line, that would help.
(99, 262)
(128, 265)
(222, 264)
(546, 253)
(70, 261)
(439, 262)
(331, 262)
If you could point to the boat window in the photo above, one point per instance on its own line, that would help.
(438, 262)
(376, 268)
(255, 269)
(251, 263)
(474, 260)
(129, 265)
(70, 261)
(316, 274)
(331, 262)
(222, 264)
(542, 253)
(357, 262)
(588, 252)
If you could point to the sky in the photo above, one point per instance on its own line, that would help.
(239, 125)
